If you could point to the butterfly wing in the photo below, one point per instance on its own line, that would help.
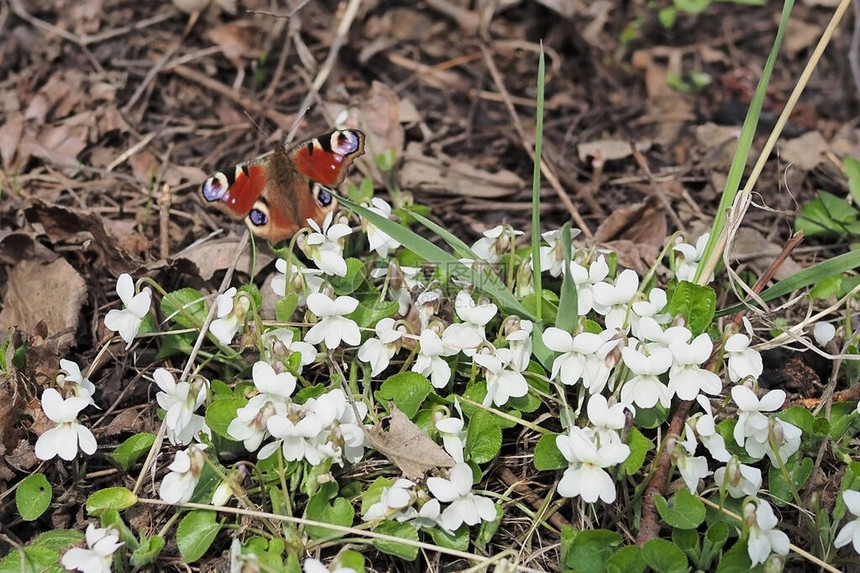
(277, 194)
(327, 158)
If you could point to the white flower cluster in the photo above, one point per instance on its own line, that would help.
(324, 427)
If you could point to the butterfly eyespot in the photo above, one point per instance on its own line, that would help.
(323, 196)
(215, 187)
(257, 217)
(344, 142)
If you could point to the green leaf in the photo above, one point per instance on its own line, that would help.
(651, 417)
(286, 307)
(195, 534)
(692, 6)
(483, 437)
(799, 469)
(458, 540)
(590, 550)
(687, 540)
(407, 390)
(808, 276)
(852, 169)
(487, 529)
(338, 512)
(147, 551)
(715, 538)
(696, 304)
(118, 498)
(547, 455)
(800, 417)
(132, 449)
(686, 511)
(639, 448)
(371, 310)
(33, 496)
(220, 413)
(404, 530)
(735, 560)
(186, 307)
(839, 209)
(627, 559)
(42, 554)
(486, 282)
(568, 306)
(355, 275)
(664, 557)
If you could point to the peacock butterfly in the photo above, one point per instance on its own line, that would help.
(277, 194)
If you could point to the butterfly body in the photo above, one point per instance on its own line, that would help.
(278, 193)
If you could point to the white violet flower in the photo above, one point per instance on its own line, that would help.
(686, 376)
(739, 480)
(762, 538)
(64, 439)
(180, 401)
(102, 543)
(495, 243)
(645, 388)
(502, 383)
(324, 246)
(333, 326)
(612, 301)
(429, 361)
(70, 375)
(231, 315)
(379, 351)
(688, 258)
(128, 320)
(587, 476)
(470, 333)
(178, 485)
(743, 361)
(303, 281)
(823, 332)
(465, 506)
(850, 532)
(379, 241)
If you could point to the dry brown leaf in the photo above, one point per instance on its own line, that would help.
(213, 256)
(380, 113)
(80, 227)
(53, 292)
(805, 151)
(238, 40)
(751, 246)
(10, 137)
(454, 177)
(128, 420)
(408, 447)
(610, 149)
(19, 245)
(642, 223)
(60, 145)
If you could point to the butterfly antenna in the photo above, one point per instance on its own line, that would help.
(259, 127)
(295, 127)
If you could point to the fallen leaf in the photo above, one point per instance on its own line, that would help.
(128, 420)
(408, 447)
(64, 224)
(238, 40)
(609, 149)
(19, 245)
(642, 223)
(752, 247)
(212, 256)
(53, 292)
(805, 151)
(454, 177)
(10, 137)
